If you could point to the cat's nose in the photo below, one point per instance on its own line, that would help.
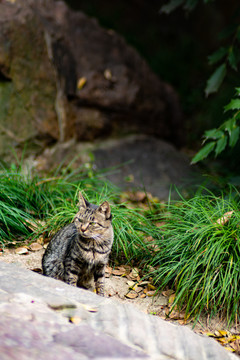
(84, 227)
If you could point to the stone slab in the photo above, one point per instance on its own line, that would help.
(42, 318)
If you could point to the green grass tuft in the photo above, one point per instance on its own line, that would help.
(198, 257)
(28, 198)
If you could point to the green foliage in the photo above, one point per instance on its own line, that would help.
(227, 133)
(187, 5)
(216, 79)
(199, 251)
(25, 199)
(131, 226)
(226, 59)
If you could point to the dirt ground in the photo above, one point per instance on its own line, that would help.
(123, 284)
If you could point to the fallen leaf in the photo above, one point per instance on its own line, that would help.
(223, 340)
(131, 295)
(21, 251)
(229, 348)
(160, 223)
(37, 270)
(151, 287)
(81, 82)
(175, 315)
(171, 298)
(75, 320)
(138, 289)
(107, 74)
(35, 246)
(210, 334)
(142, 296)
(108, 270)
(118, 272)
(131, 283)
(89, 308)
(224, 332)
(225, 218)
(137, 196)
(134, 273)
(151, 293)
(235, 346)
(142, 283)
(40, 240)
(167, 293)
(33, 225)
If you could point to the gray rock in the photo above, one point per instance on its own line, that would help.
(63, 76)
(147, 163)
(34, 324)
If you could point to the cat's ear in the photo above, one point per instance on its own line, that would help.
(104, 208)
(81, 201)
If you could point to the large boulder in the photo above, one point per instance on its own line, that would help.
(63, 76)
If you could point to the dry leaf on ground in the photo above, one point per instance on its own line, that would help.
(21, 251)
(35, 246)
(225, 218)
(131, 295)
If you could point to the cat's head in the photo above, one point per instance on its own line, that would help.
(92, 220)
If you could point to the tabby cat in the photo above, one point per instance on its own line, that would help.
(78, 253)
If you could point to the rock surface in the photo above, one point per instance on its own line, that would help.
(147, 163)
(136, 162)
(62, 76)
(45, 318)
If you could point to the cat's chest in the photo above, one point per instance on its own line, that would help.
(89, 252)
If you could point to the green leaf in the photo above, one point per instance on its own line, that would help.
(215, 80)
(232, 59)
(213, 134)
(229, 125)
(234, 136)
(221, 144)
(204, 152)
(217, 55)
(233, 105)
(171, 5)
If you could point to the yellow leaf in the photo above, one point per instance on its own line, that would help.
(171, 298)
(75, 320)
(228, 348)
(223, 340)
(151, 287)
(223, 332)
(81, 82)
(209, 334)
